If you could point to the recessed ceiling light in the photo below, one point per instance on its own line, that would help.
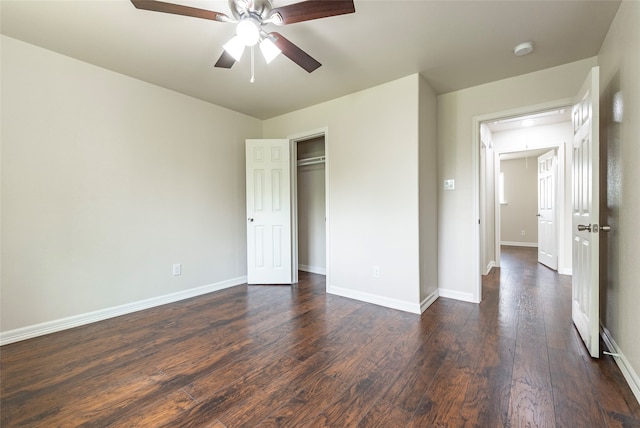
(523, 49)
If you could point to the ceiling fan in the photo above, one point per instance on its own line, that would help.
(251, 16)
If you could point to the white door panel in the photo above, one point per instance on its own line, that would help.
(586, 213)
(547, 236)
(268, 212)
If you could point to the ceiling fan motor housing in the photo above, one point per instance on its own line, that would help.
(259, 9)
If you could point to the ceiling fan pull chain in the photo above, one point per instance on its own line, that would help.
(253, 68)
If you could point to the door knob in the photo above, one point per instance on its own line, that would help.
(250, 219)
(594, 228)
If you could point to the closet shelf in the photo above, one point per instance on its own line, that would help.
(311, 161)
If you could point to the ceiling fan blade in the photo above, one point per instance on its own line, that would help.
(225, 60)
(178, 9)
(294, 53)
(313, 9)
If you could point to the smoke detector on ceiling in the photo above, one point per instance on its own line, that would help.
(523, 49)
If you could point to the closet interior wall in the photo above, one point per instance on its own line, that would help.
(311, 205)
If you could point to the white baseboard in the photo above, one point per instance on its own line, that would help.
(429, 300)
(625, 367)
(490, 266)
(519, 244)
(48, 327)
(313, 269)
(375, 299)
(457, 295)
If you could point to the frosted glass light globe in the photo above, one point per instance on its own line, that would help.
(248, 31)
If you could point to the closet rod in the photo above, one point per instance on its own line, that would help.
(311, 161)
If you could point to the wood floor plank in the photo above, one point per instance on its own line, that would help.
(531, 406)
(318, 392)
(443, 400)
(486, 402)
(296, 356)
(407, 390)
(383, 414)
(352, 405)
(616, 399)
(574, 400)
(232, 397)
(489, 391)
(208, 382)
(84, 402)
(154, 414)
(356, 401)
(531, 360)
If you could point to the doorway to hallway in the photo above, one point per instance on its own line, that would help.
(513, 205)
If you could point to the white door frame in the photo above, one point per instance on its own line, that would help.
(293, 142)
(475, 177)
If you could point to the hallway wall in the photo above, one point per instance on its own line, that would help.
(619, 61)
(519, 213)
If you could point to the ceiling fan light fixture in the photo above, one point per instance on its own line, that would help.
(269, 50)
(249, 31)
(235, 47)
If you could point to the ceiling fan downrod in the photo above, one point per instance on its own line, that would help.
(253, 67)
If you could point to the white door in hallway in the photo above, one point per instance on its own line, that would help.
(547, 237)
(268, 212)
(586, 213)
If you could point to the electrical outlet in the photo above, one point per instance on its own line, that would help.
(523, 233)
(376, 271)
(177, 269)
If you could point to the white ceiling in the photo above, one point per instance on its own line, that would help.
(453, 44)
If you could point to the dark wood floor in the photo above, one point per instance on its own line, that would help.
(277, 356)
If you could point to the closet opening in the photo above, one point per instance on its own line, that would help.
(310, 215)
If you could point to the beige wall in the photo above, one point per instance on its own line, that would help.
(428, 181)
(619, 60)
(372, 191)
(458, 258)
(520, 191)
(106, 182)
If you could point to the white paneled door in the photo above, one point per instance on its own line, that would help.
(586, 213)
(547, 237)
(268, 212)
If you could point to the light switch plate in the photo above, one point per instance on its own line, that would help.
(449, 184)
